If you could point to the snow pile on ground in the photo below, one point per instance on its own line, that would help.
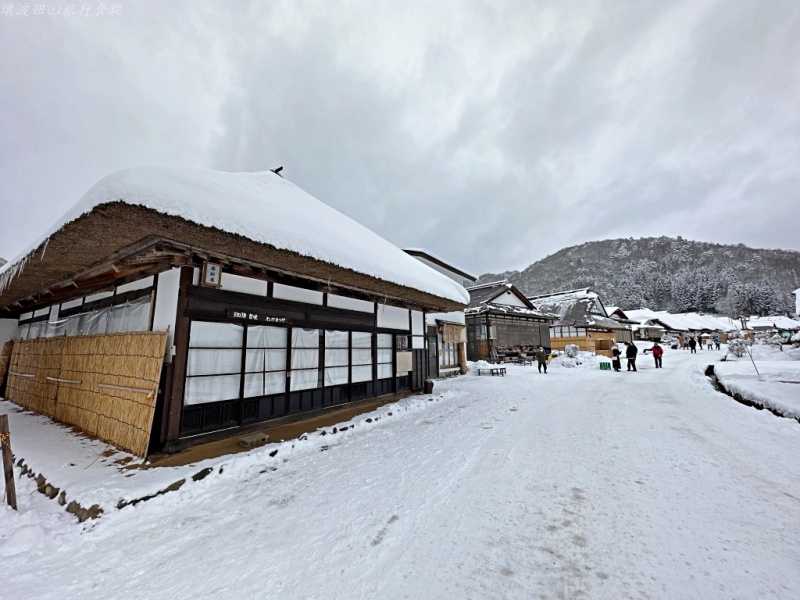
(473, 367)
(586, 360)
(773, 382)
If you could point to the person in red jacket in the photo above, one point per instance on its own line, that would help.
(658, 352)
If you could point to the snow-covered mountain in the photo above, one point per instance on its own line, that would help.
(669, 274)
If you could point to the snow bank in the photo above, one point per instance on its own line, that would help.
(776, 386)
(586, 360)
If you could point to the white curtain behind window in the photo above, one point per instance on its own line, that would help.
(362, 356)
(336, 357)
(385, 366)
(214, 363)
(265, 361)
(305, 359)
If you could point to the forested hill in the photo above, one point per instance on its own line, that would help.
(669, 274)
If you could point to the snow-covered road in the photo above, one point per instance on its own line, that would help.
(580, 483)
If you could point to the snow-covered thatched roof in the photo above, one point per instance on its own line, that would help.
(259, 217)
(581, 308)
(684, 321)
(494, 297)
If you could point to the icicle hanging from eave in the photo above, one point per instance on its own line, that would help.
(14, 271)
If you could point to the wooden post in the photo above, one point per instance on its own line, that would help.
(8, 462)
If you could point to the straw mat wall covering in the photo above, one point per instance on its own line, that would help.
(106, 385)
(5, 360)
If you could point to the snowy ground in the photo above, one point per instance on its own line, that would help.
(775, 385)
(581, 483)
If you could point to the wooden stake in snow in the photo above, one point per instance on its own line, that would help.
(750, 354)
(8, 462)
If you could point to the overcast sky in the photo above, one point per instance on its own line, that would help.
(490, 134)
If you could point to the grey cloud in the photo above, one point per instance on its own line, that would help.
(504, 133)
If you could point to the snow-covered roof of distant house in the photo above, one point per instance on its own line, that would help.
(486, 292)
(481, 299)
(419, 252)
(258, 217)
(775, 322)
(640, 314)
(693, 321)
(565, 296)
(508, 309)
(616, 313)
(580, 307)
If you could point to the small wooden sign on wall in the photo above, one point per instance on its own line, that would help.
(211, 275)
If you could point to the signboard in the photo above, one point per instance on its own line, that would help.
(241, 314)
(401, 342)
(211, 275)
(405, 362)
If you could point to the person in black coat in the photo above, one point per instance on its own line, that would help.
(630, 354)
(541, 359)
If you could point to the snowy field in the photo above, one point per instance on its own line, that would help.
(581, 483)
(776, 385)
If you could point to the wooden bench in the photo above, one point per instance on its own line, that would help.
(501, 371)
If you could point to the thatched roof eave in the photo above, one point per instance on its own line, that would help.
(111, 229)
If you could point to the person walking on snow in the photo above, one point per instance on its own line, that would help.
(541, 359)
(630, 354)
(692, 345)
(658, 352)
(716, 341)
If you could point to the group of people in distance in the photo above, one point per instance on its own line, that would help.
(630, 353)
(692, 342)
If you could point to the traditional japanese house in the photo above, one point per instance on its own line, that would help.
(446, 332)
(639, 331)
(582, 320)
(171, 306)
(503, 324)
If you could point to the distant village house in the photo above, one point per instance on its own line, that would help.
(503, 325)
(582, 320)
(446, 332)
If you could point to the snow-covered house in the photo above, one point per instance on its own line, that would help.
(502, 323)
(446, 332)
(582, 320)
(780, 324)
(639, 331)
(686, 324)
(273, 304)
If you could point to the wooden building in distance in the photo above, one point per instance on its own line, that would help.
(582, 320)
(502, 324)
(226, 300)
(446, 332)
